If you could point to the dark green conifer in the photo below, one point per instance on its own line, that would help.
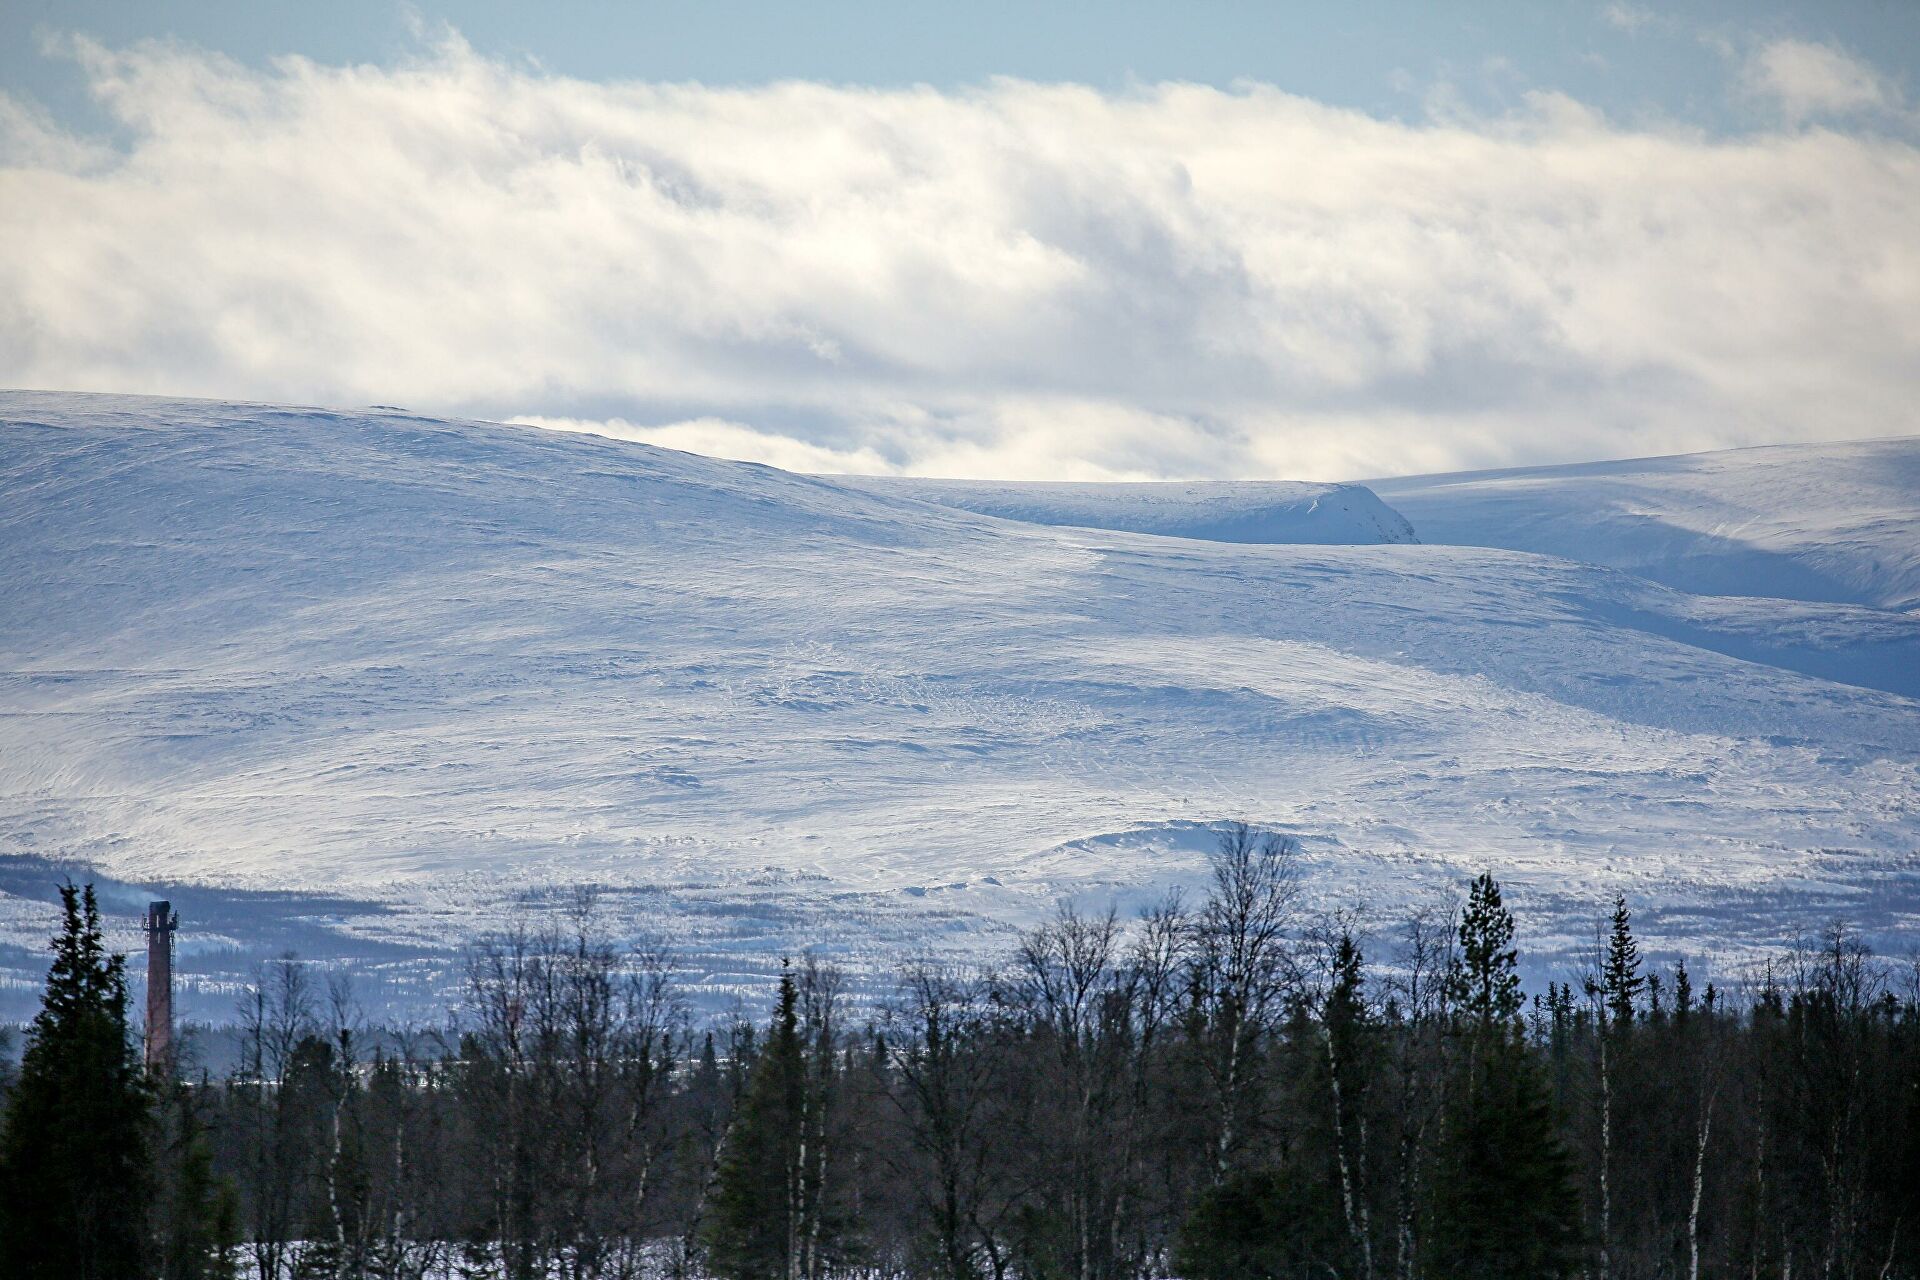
(1260, 1224)
(1485, 982)
(74, 1189)
(1620, 979)
(1503, 1192)
(196, 1212)
(755, 1205)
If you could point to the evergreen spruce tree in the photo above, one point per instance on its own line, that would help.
(1560, 1029)
(1485, 981)
(755, 1205)
(1619, 985)
(1261, 1224)
(196, 1212)
(1503, 1205)
(1620, 978)
(74, 1189)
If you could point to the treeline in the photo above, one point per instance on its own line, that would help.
(1224, 1088)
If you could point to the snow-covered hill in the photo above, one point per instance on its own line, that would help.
(1835, 522)
(1218, 511)
(364, 682)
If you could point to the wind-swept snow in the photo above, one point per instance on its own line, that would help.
(441, 669)
(1216, 511)
(1825, 522)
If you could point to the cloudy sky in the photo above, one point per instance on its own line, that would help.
(1061, 241)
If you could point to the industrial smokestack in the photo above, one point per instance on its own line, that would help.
(161, 922)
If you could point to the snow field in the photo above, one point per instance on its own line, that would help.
(370, 681)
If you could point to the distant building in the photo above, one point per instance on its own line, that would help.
(161, 922)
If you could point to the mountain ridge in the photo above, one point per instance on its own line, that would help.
(450, 670)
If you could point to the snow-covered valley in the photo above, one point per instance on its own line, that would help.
(365, 683)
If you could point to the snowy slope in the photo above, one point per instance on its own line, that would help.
(438, 670)
(1218, 511)
(1829, 522)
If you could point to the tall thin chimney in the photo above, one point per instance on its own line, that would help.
(161, 922)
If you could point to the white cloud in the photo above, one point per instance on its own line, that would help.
(718, 438)
(1807, 80)
(1630, 18)
(1017, 280)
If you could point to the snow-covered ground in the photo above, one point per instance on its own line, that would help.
(1830, 522)
(363, 683)
(1215, 511)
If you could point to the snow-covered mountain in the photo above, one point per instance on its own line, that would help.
(1216, 511)
(1833, 522)
(363, 682)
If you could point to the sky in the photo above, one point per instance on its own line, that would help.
(1039, 241)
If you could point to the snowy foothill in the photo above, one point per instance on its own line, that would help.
(1216, 511)
(366, 684)
(1822, 522)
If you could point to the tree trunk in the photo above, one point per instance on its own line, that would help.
(1606, 1156)
(1358, 1226)
(1699, 1181)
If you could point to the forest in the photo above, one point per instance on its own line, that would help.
(1229, 1086)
